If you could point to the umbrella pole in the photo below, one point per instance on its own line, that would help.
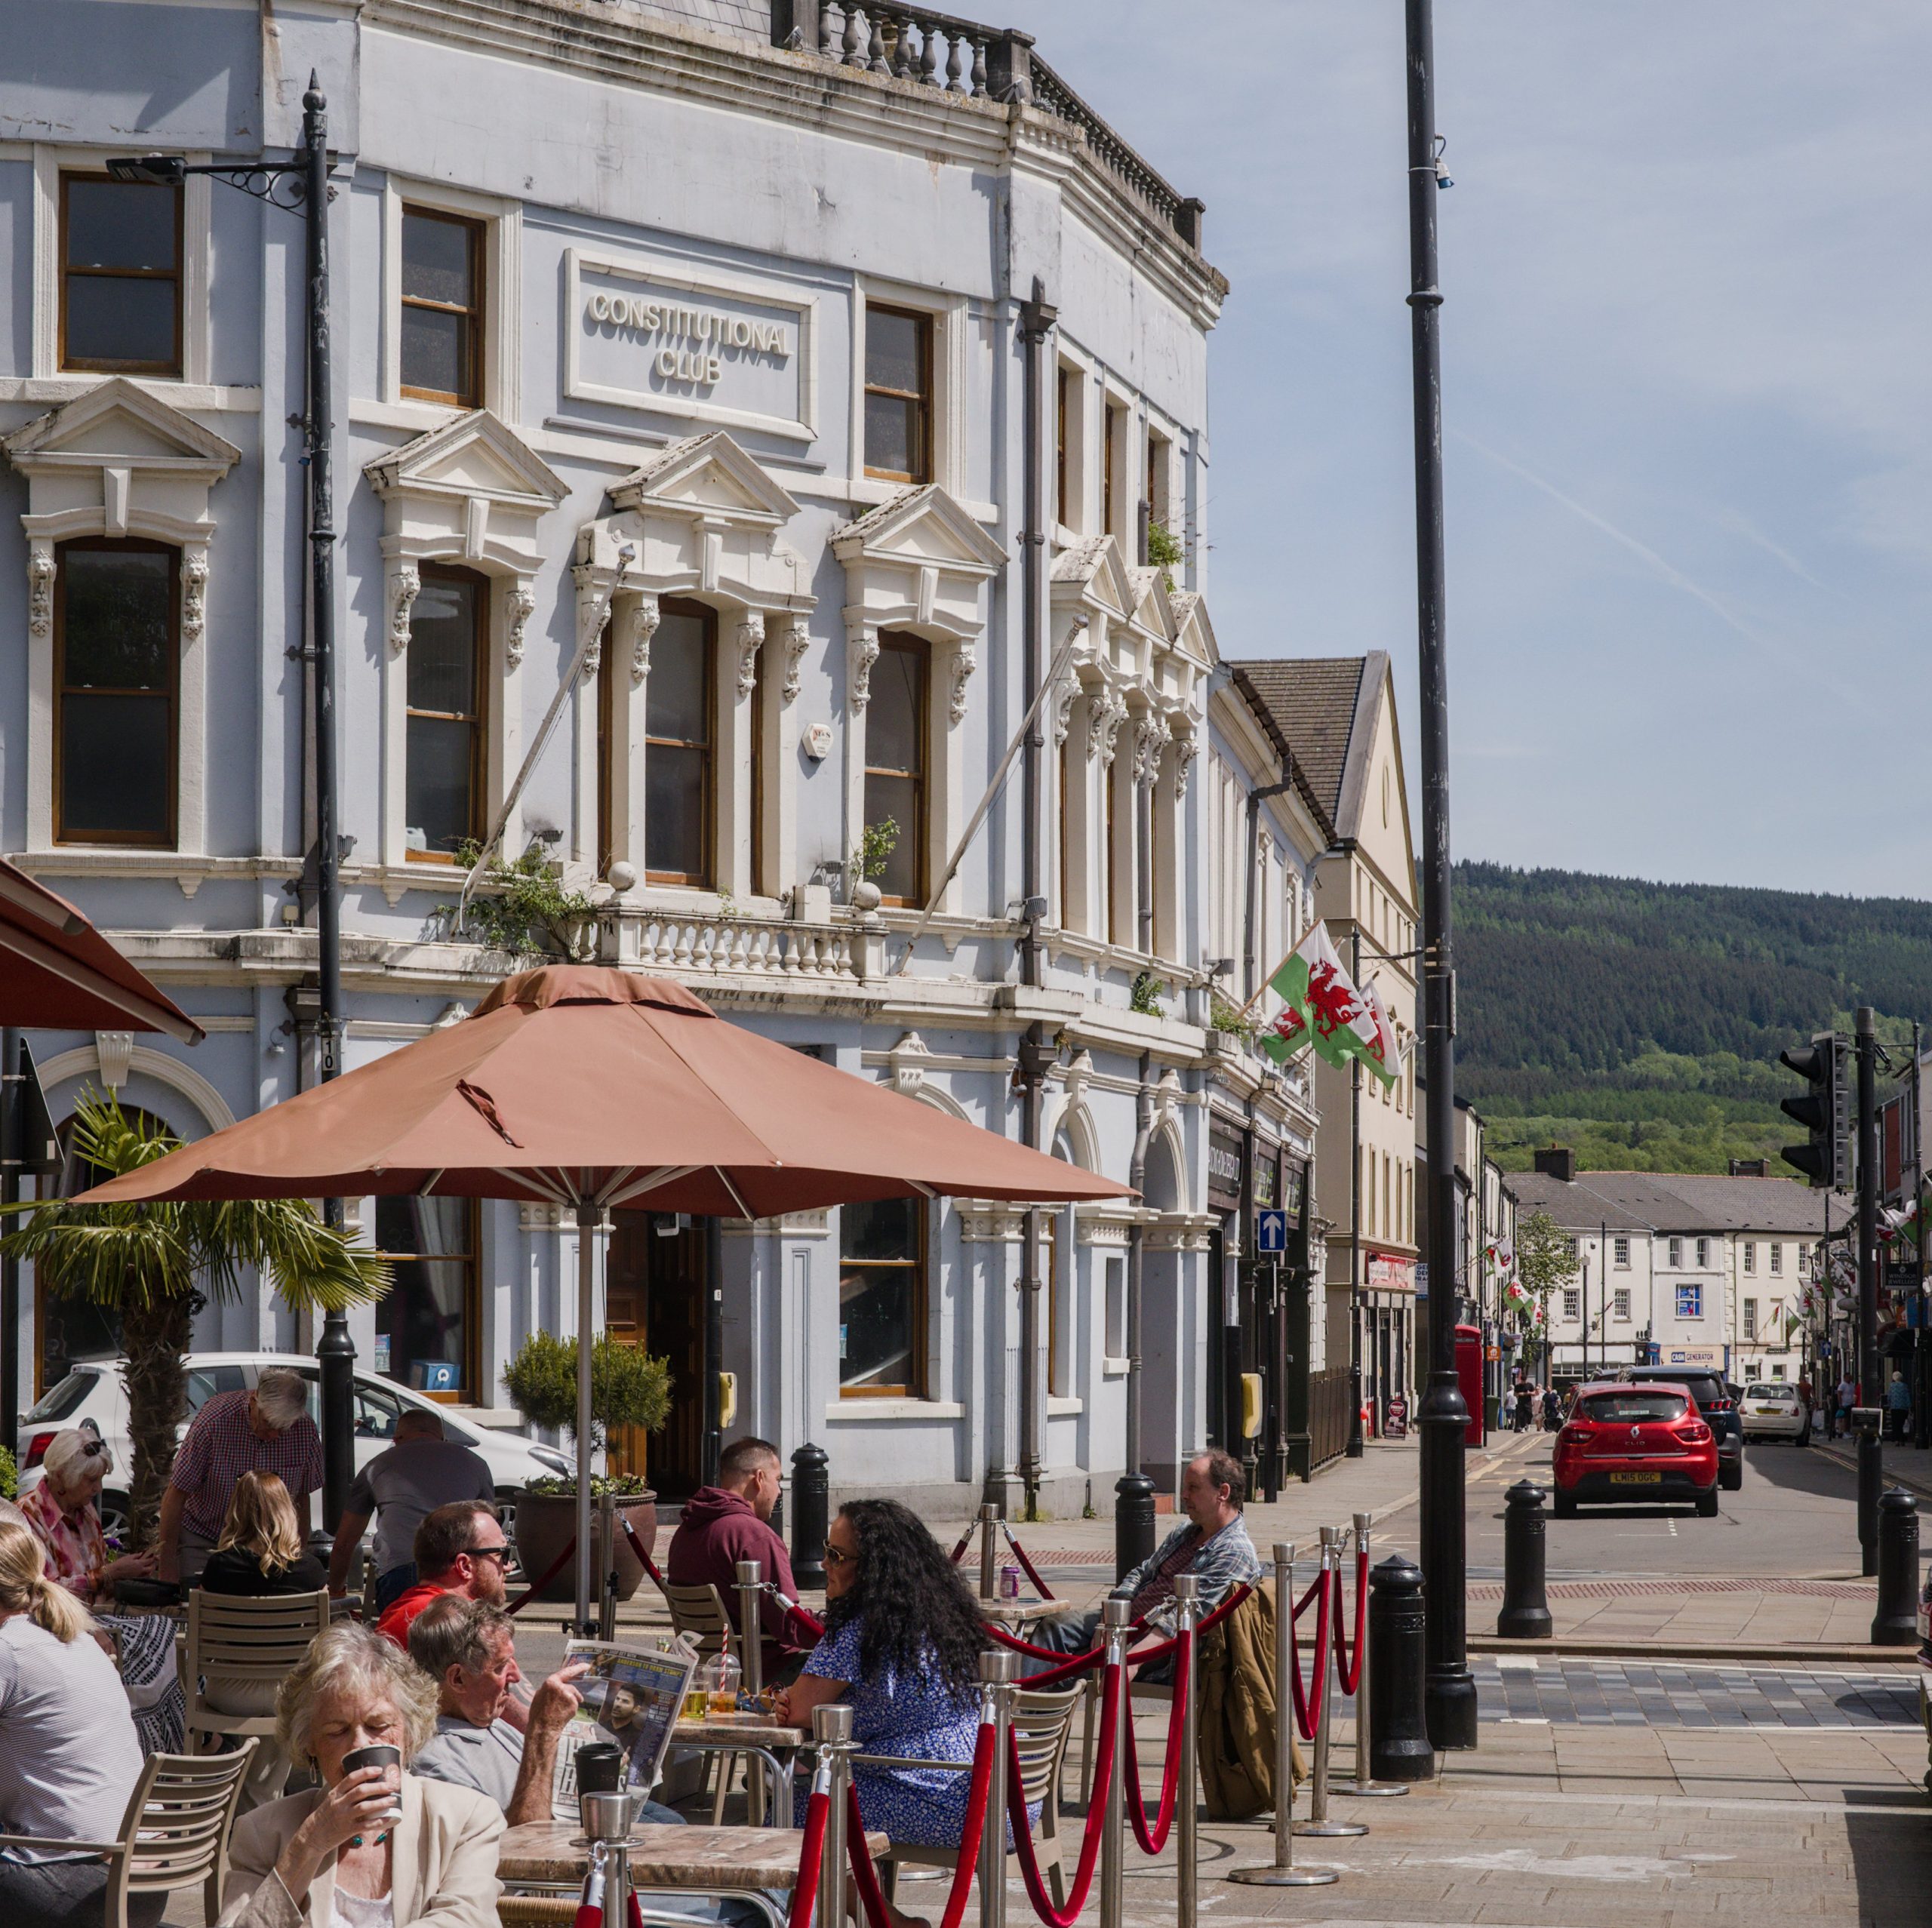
(587, 1216)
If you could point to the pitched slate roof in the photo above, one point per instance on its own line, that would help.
(1675, 1202)
(1314, 701)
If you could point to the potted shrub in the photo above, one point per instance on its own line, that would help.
(628, 1387)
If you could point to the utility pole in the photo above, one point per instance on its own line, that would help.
(1870, 1446)
(1449, 1691)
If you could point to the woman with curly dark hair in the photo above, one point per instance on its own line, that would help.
(902, 1647)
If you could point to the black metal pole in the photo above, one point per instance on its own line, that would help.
(1356, 1445)
(1921, 1399)
(336, 1350)
(1450, 1693)
(1870, 1445)
(11, 1135)
(714, 1347)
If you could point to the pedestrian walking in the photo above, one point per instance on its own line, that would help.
(1847, 1399)
(1898, 1407)
(1526, 1395)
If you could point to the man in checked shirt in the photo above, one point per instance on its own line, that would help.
(1213, 1546)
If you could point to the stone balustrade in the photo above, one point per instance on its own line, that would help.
(701, 943)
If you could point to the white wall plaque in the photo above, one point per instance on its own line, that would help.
(714, 349)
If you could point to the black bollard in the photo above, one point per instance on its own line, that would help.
(1133, 1522)
(1398, 1748)
(811, 1515)
(1895, 1623)
(1525, 1615)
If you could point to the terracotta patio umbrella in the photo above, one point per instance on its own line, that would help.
(597, 1089)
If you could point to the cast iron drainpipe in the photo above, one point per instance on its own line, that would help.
(1136, 1176)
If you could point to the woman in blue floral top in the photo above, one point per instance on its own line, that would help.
(902, 1647)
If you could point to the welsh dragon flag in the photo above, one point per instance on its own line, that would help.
(1322, 1008)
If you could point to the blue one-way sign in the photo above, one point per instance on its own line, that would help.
(1271, 1232)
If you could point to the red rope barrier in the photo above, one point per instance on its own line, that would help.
(865, 1874)
(1031, 1572)
(1351, 1676)
(811, 1855)
(637, 1546)
(1096, 1825)
(557, 1566)
(965, 1540)
(1163, 1649)
(1305, 1701)
(1302, 1604)
(979, 1796)
(1153, 1839)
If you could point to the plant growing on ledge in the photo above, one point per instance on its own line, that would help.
(627, 1387)
(877, 841)
(1223, 1016)
(1165, 552)
(521, 908)
(1146, 995)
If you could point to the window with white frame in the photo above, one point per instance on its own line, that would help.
(1777, 1258)
(1748, 1316)
(1572, 1303)
(1620, 1251)
(1619, 1303)
(121, 276)
(1690, 1300)
(440, 323)
(1675, 1249)
(1116, 1308)
(1703, 1254)
(1750, 1251)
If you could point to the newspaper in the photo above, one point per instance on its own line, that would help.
(632, 1696)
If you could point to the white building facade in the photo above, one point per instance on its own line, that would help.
(695, 343)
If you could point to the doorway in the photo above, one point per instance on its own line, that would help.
(654, 1297)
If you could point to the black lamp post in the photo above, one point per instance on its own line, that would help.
(303, 181)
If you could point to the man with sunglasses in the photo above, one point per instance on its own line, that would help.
(459, 1548)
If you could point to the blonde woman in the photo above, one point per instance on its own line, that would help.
(69, 1759)
(260, 1550)
(333, 1857)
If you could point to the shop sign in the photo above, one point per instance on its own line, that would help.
(1397, 1425)
(1264, 1182)
(1224, 1169)
(645, 336)
(1693, 1355)
(1391, 1274)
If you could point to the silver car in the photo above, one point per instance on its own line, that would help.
(1771, 1409)
(93, 1390)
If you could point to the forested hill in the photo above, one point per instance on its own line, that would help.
(1641, 1023)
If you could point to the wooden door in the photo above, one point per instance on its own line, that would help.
(654, 1297)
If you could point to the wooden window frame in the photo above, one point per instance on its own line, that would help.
(756, 870)
(472, 1261)
(475, 310)
(172, 368)
(897, 643)
(479, 737)
(171, 840)
(1157, 471)
(916, 1266)
(708, 789)
(1064, 379)
(923, 395)
(1110, 494)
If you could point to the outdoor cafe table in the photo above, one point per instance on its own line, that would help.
(738, 1863)
(1013, 1615)
(776, 1746)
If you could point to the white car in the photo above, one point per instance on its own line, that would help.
(1771, 1409)
(93, 1390)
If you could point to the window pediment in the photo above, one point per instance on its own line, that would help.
(471, 490)
(709, 477)
(921, 563)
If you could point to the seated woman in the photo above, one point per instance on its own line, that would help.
(63, 1512)
(260, 1551)
(69, 1759)
(902, 1647)
(333, 1857)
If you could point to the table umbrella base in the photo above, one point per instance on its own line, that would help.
(1354, 1789)
(1326, 1829)
(1304, 1876)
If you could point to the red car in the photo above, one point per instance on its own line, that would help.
(1623, 1442)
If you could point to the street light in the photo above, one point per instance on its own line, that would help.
(303, 181)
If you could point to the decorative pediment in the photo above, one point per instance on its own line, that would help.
(474, 455)
(1193, 632)
(1092, 574)
(923, 525)
(709, 477)
(1150, 606)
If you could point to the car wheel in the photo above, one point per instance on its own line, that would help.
(1707, 1505)
(506, 1500)
(1565, 1507)
(1731, 1478)
(115, 1508)
(1804, 1438)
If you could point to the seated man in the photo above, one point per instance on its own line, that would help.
(1213, 1546)
(459, 1548)
(731, 1521)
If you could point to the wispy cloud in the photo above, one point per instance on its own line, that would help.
(1740, 525)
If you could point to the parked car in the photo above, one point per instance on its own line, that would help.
(1623, 1443)
(93, 1390)
(1772, 1409)
(1716, 1400)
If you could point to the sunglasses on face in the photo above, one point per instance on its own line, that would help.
(500, 1554)
(837, 1557)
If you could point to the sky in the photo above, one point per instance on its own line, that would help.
(1687, 399)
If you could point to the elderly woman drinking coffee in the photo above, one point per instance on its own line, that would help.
(63, 1512)
(372, 1846)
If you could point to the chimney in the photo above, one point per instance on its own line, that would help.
(1558, 1161)
(1750, 1168)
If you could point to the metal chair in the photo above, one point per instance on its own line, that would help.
(175, 1834)
(240, 1644)
(1043, 1725)
(699, 1612)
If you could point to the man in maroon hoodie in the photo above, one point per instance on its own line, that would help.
(731, 1521)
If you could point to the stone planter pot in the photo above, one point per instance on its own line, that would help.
(546, 1523)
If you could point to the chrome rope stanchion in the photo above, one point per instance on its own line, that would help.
(1365, 1782)
(988, 1576)
(998, 1669)
(1116, 1617)
(1318, 1823)
(751, 1648)
(1282, 1873)
(1187, 1604)
(832, 1729)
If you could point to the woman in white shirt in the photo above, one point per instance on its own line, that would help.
(333, 1857)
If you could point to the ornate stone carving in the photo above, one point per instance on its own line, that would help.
(522, 604)
(1151, 736)
(593, 612)
(1186, 748)
(797, 640)
(1064, 698)
(1106, 714)
(193, 592)
(405, 585)
(965, 660)
(751, 640)
(40, 589)
(644, 617)
(862, 643)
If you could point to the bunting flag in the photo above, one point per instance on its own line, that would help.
(1321, 1007)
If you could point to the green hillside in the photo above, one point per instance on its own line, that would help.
(1641, 1023)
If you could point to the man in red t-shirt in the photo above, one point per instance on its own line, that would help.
(459, 1548)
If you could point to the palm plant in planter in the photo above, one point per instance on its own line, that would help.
(158, 1264)
(628, 1387)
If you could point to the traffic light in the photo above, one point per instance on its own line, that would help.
(1825, 1111)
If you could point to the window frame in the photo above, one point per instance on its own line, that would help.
(1620, 1305)
(1620, 1254)
(1674, 1253)
(1573, 1301)
(477, 310)
(472, 1261)
(901, 642)
(1748, 1319)
(171, 370)
(924, 397)
(1689, 1299)
(479, 722)
(1064, 378)
(171, 841)
(1110, 493)
(1775, 1247)
(706, 879)
(916, 1268)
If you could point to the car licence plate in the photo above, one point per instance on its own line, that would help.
(1636, 1479)
(1767, 1411)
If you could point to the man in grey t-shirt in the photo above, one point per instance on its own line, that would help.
(421, 1471)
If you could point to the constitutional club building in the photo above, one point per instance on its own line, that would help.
(821, 378)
